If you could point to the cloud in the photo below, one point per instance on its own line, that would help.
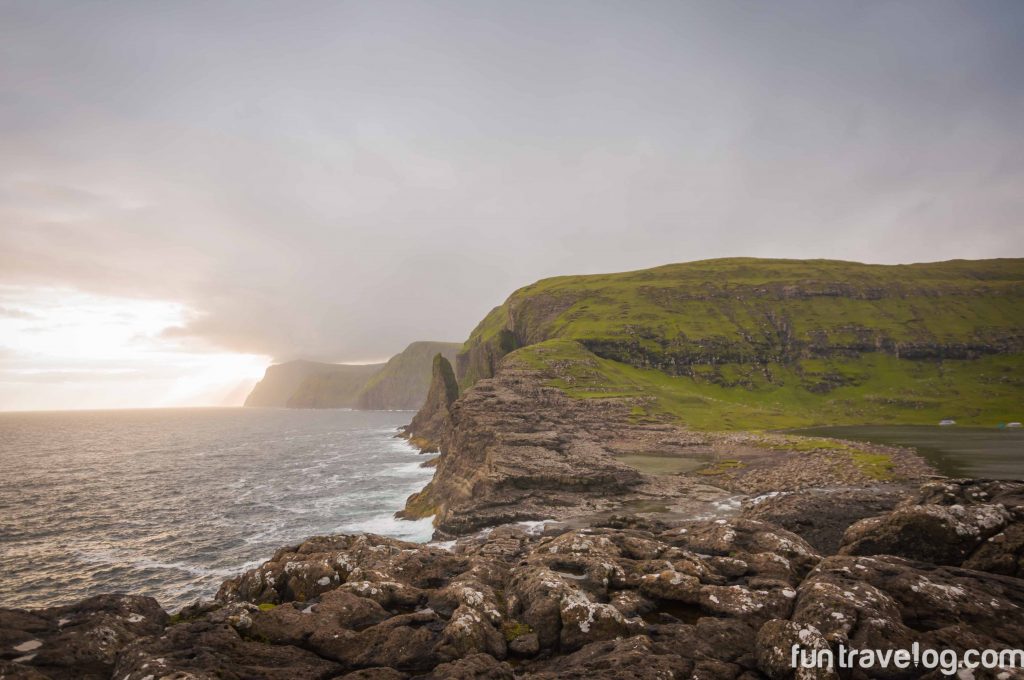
(58, 376)
(337, 182)
(11, 313)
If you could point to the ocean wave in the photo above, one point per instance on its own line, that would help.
(203, 504)
(417, 531)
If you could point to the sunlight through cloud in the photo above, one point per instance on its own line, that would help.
(64, 348)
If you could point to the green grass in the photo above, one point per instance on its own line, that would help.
(891, 391)
(515, 629)
(716, 298)
(875, 465)
(721, 467)
(748, 344)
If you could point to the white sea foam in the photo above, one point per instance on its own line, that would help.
(443, 545)
(418, 531)
(757, 500)
(535, 527)
(405, 470)
(729, 505)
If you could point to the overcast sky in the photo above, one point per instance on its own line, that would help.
(334, 180)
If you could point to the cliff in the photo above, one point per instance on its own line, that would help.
(745, 343)
(596, 395)
(401, 383)
(281, 381)
(432, 420)
(404, 380)
(335, 386)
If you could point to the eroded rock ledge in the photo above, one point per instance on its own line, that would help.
(515, 449)
(713, 599)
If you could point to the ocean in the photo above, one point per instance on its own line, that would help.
(170, 502)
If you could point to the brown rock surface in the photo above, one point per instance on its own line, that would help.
(715, 598)
(515, 449)
(951, 522)
(822, 516)
(891, 603)
(77, 641)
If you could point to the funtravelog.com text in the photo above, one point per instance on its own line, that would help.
(947, 661)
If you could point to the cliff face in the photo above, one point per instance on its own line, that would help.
(404, 380)
(335, 386)
(401, 383)
(432, 420)
(281, 381)
(513, 448)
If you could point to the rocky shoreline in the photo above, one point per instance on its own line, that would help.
(574, 540)
(627, 597)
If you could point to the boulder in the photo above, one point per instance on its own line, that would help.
(475, 667)
(204, 650)
(821, 517)
(968, 492)
(775, 642)
(887, 602)
(1002, 553)
(941, 534)
(767, 550)
(82, 640)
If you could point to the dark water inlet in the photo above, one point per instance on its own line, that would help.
(955, 451)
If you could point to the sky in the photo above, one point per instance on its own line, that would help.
(192, 190)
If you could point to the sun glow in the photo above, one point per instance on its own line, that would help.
(66, 349)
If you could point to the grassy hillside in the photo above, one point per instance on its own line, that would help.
(747, 343)
(404, 381)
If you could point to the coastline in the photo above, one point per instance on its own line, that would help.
(712, 597)
(685, 574)
(564, 547)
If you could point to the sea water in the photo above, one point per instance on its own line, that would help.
(171, 502)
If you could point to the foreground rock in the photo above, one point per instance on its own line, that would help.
(971, 523)
(642, 598)
(78, 641)
(891, 603)
(822, 516)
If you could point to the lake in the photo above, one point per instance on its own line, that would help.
(955, 451)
